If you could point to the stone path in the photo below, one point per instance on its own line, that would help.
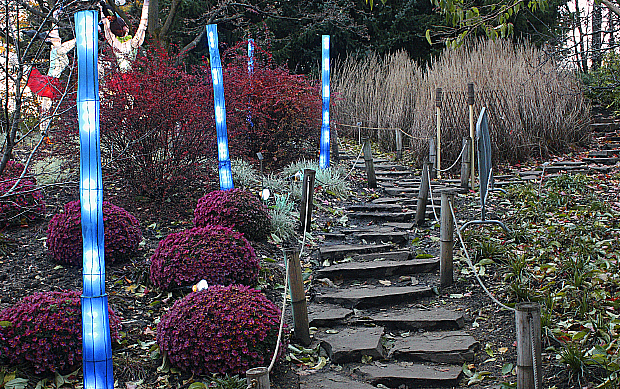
(367, 311)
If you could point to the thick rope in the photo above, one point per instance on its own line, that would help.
(348, 174)
(380, 129)
(534, 360)
(455, 162)
(471, 265)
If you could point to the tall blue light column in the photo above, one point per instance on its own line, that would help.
(223, 157)
(324, 147)
(96, 342)
(250, 74)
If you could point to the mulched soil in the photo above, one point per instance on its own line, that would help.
(27, 268)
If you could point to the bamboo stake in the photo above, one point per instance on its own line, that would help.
(472, 134)
(438, 98)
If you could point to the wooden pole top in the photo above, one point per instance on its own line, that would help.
(470, 93)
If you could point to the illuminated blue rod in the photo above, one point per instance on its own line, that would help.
(250, 74)
(96, 342)
(324, 147)
(226, 181)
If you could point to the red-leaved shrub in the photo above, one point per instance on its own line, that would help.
(214, 253)
(235, 208)
(44, 330)
(224, 330)
(122, 234)
(25, 202)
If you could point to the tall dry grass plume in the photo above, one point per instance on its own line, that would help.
(534, 107)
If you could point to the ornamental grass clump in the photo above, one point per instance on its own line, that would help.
(237, 209)
(22, 202)
(216, 254)
(44, 331)
(64, 234)
(225, 330)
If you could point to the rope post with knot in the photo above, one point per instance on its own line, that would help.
(370, 167)
(529, 369)
(432, 157)
(420, 212)
(307, 194)
(298, 298)
(465, 163)
(446, 239)
(257, 378)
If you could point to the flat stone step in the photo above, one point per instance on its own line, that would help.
(398, 255)
(351, 344)
(394, 200)
(385, 216)
(325, 379)
(340, 251)
(383, 166)
(396, 237)
(390, 173)
(602, 161)
(378, 269)
(374, 207)
(604, 127)
(415, 319)
(402, 226)
(415, 376)
(604, 153)
(327, 315)
(453, 347)
(358, 297)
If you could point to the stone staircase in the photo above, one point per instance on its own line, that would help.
(373, 308)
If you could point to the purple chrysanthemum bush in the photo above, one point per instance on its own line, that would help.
(25, 202)
(122, 234)
(216, 254)
(223, 329)
(44, 331)
(237, 209)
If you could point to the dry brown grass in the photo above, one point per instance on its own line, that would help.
(534, 108)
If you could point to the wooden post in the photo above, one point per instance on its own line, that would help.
(334, 142)
(472, 132)
(370, 167)
(529, 369)
(298, 298)
(420, 212)
(438, 99)
(307, 195)
(257, 378)
(399, 144)
(465, 163)
(432, 157)
(446, 239)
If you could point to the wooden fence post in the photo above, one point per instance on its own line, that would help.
(432, 157)
(465, 163)
(420, 212)
(438, 100)
(307, 195)
(370, 167)
(472, 132)
(529, 369)
(298, 298)
(446, 239)
(257, 378)
(399, 144)
(359, 133)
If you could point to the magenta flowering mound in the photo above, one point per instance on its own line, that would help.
(216, 254)
(24, 202)
(44, 331)
(224, 330)
(235, 208)
(64, 234)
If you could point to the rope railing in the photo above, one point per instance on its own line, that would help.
(380, 129)
(456, 161)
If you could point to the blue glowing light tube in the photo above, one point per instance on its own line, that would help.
(250, 74)
(96, 342)
(324, 146)
(226, 181)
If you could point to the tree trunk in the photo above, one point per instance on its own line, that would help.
(597, 41)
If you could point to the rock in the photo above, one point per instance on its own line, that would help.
(377, 269)
(440, 347)
(394, 375)
(327, 315)
(330, 380)
(415, 318)
(351, 344)
(357, 297)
